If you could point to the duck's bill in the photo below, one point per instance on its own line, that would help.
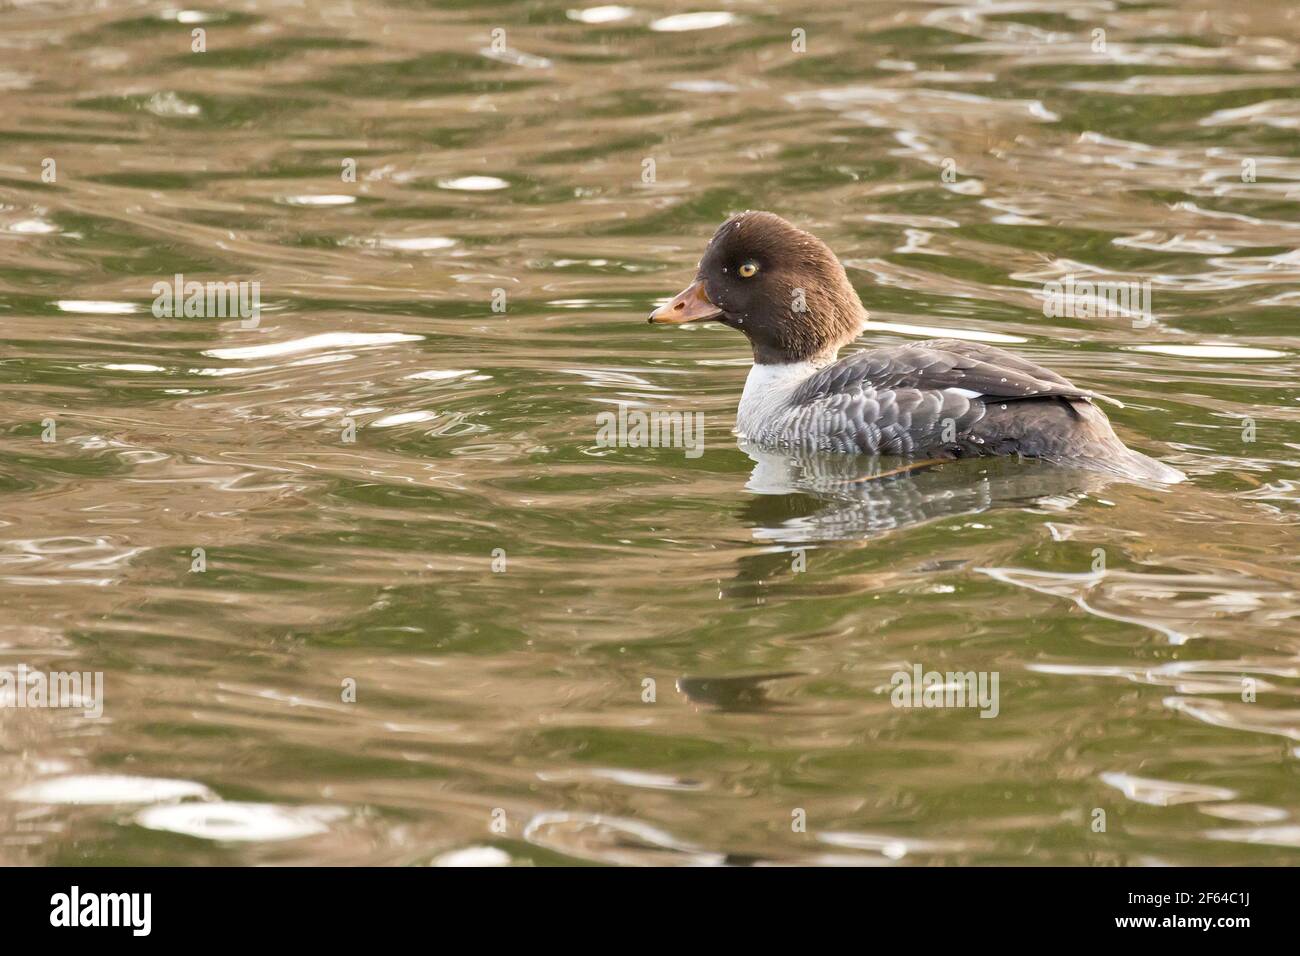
(690, 305)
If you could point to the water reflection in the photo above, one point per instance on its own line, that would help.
(854, 497)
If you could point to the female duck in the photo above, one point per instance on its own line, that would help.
(945, 398)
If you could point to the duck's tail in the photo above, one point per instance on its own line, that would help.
(1104, 452)
(1124, 462)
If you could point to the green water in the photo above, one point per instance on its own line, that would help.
(473, 632)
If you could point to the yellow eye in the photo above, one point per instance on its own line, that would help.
(747, 270)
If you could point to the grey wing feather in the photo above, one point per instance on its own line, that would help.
(944, 364)
(950, 398)
(890, 421)
(926, 398)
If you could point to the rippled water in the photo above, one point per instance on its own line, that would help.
(500, 587)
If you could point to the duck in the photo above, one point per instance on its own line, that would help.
(936, 400)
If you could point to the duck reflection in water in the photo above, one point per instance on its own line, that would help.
(810, 498)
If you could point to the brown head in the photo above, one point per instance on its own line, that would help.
(779, 285)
